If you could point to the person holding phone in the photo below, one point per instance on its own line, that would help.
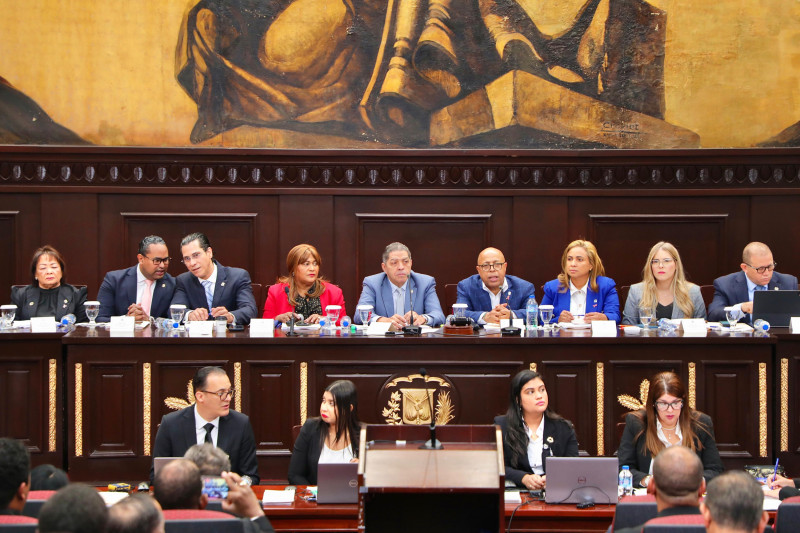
(330, 438)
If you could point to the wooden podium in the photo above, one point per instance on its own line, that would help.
(407, 489)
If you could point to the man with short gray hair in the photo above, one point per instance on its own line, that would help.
(142, 291)
(734, 503)
(209, 459)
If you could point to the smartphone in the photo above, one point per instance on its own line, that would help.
(235, 327)
(214, 487)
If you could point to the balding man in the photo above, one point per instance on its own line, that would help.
(138, 513)
(758, 274)
(677, 484)
(734, 504)
(490, 294)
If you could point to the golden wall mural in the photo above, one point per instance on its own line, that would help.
(401, 73)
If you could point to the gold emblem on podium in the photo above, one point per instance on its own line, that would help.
(411, 404)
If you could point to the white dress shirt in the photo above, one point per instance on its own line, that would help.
(345, 455)
(535, 442)
(663, 438)
(577, 299)
(494, 299)
(199, 422)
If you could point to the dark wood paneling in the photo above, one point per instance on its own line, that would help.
(569, 384)
(267, 397)
(8, 242)
(108, 391)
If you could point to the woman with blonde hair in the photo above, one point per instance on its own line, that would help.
(664, 291)
(581, 289)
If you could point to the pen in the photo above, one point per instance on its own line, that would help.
(775, 471)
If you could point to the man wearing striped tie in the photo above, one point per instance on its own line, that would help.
(209, 289)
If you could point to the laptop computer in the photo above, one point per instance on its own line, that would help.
(337, 483)
(776, 307)
(582, 480)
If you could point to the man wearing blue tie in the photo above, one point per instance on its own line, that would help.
(391, 292)
(758, 274)
(490, 294)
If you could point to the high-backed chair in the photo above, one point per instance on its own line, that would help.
(622, 293)
(683, 523)
(260, 294)
(35, 501)
(200, 521)
(450, 297)
(634, 510)
(707, 291)
(787, 517)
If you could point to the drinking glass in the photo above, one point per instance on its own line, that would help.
(92, 310)
(176, 312)
(646, 316)
(332, 312)
(547, 315)
(732, 314)
(364, 313)
(459, 310)
(7, 314)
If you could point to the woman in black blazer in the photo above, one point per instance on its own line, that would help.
(48, 295)
(331, 437)
(528, 411)
(666, 421)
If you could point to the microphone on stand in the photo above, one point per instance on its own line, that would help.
(432, 444)
(411, 329)
(291, 332)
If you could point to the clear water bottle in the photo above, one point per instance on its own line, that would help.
(345, 322)
(761, 325)
(531, 313)
(67, 320)
(665, 325)
(625, 482)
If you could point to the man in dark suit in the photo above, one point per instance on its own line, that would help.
(736, 290)
(209, 289)
(141, 291)
(677, 484)
(734, 503)
(212, 420)
(15, 476)
(490, 294)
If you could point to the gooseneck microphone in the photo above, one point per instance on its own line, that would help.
(291, 332)
(432, 444)
(411, 329)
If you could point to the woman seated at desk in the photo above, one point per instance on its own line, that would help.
(47, 295)
(582, 290)
(531, 432)
(330, 438)
(666, 421)
(664, 291)
(303, 290)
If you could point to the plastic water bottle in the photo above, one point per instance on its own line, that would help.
(67, 320)
(625, 482)
(531, 313)
(761, 325)
(345, 323)
(665, 325)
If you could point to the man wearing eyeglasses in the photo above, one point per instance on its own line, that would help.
(209, 289)
(210, 420)
(490, 294)
(141, 291)
(758, 274)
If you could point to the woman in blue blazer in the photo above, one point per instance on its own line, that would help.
(582, 269)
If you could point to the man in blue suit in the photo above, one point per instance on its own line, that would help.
(490, 294)
(758, 274)
(143, 290)
(209, 289)
(390, 293)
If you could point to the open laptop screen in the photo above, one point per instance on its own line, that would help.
(582, 479)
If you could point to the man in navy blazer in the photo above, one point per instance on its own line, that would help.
(212, 420)
(209, 289)
(123, 291)
(490, 294)
(390, 292)
(736, 290)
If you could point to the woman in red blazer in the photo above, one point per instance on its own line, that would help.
(303, 290)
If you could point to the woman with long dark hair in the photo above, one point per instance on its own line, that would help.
(330, 438)
(666, 420)
(532, 432)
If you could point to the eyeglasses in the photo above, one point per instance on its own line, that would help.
(486, 267)
(223, 394)
(663, 406)
(194, 257)
(159, 260)
(658, 262)
(761, 270)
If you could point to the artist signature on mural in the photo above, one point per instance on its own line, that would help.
(620, 129)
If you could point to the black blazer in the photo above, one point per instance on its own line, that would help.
(118, 291)
(305, 456)
(70, 300)
(559, 441)
(177, 433)
(634, 454)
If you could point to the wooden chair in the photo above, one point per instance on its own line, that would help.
(450, 297)
(708, 294)
(260, 294)
(622, 292)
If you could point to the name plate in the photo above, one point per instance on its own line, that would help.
(200, 328)
(694, 327)
(794, 324)
(516, 322)
(43, 324)
(122, 324)
(262, 327)
(604, 328)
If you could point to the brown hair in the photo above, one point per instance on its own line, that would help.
(594, 260)
(48, 250)
(298, 255)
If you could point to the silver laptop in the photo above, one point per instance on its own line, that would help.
(337, 483)
(776, 307)
(582, 480)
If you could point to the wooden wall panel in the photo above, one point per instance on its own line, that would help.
(786, 432)
(110, 388)
(539, 236)
(269, 395)
(569, 383)
(8, 242)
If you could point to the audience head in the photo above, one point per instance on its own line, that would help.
(397, 263)
(211, 461)
(76, 508)
(153, 257)
(15, 469)
(47, 267)
(178, 486)
(734, 502)
(678, 477)
(528, 397)
(48, 477)
(197, 255)
(580, 262)
(755, 256)
(339, 409)
(492, 268)
(138, 513)
(212, 392)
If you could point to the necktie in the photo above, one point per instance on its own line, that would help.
(399, 304)
(147, 296)
(209, 295)
(208, 427)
